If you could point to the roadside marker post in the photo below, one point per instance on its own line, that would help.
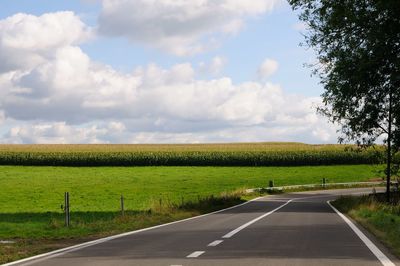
(122, 206)
(66, 209)
(271, 183)
(323, 182)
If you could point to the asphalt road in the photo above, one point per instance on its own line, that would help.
(289, 229)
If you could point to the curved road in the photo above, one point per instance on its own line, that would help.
(289, 229)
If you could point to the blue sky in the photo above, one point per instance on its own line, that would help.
(230, 41)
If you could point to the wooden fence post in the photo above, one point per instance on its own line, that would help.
(66, 209)
(122, 206)
(271, 183)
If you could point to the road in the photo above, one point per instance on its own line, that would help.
(287, 229)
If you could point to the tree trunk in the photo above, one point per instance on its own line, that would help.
(389, 150)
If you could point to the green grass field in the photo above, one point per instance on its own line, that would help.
(30, 198)
(40, 189)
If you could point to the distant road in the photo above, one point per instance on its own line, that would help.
(289, 229)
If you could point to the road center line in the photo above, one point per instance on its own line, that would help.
(374, 249)
(240, 228)
(215, 243)
(195, 254)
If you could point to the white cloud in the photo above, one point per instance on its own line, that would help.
(28, 32)
(2, 117)
(323, 134)
(267, 68)
(26, 40)
(65, 97)
(153, 75)
(115, 132)
(60, 132)
(178, 27)
(152, 101)
(214, 67)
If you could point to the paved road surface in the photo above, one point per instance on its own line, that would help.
(289, 229)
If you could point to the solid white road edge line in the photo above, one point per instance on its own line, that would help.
(62, 251)
(374, 249)
(195, 254)
(240, 228)
(215, 243)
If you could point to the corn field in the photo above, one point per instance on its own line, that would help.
(237, 154)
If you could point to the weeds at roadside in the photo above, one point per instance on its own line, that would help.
(380, 218)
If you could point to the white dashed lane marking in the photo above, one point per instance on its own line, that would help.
(240, 228)
(215, 243)
(195, 254)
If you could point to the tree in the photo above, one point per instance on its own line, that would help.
(357, 43)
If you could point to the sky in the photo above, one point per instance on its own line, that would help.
(156, 71)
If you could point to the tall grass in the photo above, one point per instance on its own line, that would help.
(380, 218)
(239, 154)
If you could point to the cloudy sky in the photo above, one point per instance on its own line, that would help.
(156, 71)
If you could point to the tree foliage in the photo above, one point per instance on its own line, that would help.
(358, 49)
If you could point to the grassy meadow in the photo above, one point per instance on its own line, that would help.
(41, 189)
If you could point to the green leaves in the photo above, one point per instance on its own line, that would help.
(357, 45)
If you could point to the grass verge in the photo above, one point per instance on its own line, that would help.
(381, 219)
